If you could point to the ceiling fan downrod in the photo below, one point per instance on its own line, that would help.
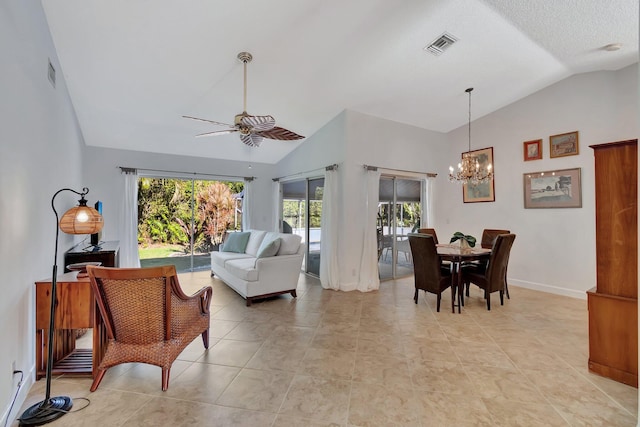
(245, 58)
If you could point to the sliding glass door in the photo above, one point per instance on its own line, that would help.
(399, 211)
(181, 220)
(301, 213)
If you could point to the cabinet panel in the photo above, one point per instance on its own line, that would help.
(616, 218)
(613, 303)
(74, 305)
(613, 337)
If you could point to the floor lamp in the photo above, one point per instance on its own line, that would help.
(80, 219)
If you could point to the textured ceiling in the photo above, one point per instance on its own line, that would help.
(134, 67)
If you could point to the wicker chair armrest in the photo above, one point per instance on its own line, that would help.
(202, 298)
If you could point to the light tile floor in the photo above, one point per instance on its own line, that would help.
(366, 359)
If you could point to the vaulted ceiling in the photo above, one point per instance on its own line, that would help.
(134, 67)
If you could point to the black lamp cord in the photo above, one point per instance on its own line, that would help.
(15, 396)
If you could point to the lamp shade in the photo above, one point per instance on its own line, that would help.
(81, 220)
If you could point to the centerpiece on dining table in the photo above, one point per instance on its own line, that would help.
(466, 241)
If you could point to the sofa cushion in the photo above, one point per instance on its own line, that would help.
(220, 258)
(236, 242)
(269, 247)
(257, 236)
(290, 244)
(244, 269)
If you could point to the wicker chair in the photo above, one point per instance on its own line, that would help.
(147, 316)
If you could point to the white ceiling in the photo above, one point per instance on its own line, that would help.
(134, 67)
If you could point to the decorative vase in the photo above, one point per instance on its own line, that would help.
(464, 244)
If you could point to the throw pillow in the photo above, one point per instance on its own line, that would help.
(269, 248)
(236, 242)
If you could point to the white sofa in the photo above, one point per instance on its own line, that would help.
(254, 277)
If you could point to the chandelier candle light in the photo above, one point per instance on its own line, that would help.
(469, 171)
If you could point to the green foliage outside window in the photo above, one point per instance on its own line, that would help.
(164, 212)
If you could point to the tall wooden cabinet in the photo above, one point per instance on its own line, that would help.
(613, 303)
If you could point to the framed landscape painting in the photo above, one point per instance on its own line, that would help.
(483, 192)
(565, 144)
(553, 189)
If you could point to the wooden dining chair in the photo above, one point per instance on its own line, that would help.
(489, 236)
(147, 316)
(431, 231)
(493, 277)
(429, 275)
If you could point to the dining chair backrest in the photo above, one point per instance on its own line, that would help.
(497, 271)
(431, 231)
(489, 236)
(426, 262)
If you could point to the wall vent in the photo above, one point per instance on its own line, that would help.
(441, 44)
(51, 73)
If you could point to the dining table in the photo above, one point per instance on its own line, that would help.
(458, 256)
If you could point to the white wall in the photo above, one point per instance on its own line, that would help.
(353, 139)
(554, 249)
(40, 153)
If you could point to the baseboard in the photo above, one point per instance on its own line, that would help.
(548, 288)
(27, 383)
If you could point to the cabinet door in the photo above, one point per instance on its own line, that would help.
(616, 170)
(74, 305)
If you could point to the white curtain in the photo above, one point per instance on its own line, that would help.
(129, 221)
(427, 219)
(369, 278)
(246, 204)
(277, 209)
(329, 264)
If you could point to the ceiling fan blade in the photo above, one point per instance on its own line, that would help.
(280, 133)
(208, 121)
(251, 139)
(217, 132)
(259, 123)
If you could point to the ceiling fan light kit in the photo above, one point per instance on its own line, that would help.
(252, 129)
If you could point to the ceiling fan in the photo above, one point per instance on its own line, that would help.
(251, 128)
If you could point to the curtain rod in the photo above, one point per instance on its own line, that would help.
(129, 170)
(328, 168)
(375, 168)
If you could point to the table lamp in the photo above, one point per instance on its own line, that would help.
(80, 219)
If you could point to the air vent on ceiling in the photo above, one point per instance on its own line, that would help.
(441, 44)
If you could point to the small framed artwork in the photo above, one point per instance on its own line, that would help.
(532, 150)
(553, 189)
(484, 191)
(565, 144)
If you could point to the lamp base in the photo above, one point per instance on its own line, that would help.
(46, 411)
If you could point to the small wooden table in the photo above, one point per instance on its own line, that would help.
(75, 309)
(457, 256)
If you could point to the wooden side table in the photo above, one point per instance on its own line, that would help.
(75, 309)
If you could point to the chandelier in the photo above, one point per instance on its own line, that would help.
(469, 171)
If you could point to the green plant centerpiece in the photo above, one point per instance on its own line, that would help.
(465, 239)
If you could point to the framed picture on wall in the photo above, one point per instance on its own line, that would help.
(565, 144)
(532, 150)
(553, 189)
(481, 192)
